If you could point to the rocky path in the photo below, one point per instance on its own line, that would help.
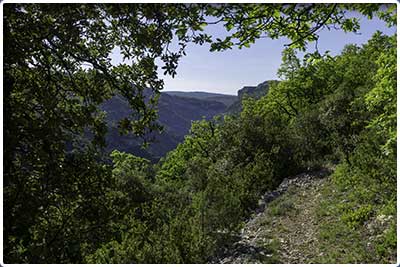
(284, 227)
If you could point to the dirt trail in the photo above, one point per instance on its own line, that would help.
(284, 227)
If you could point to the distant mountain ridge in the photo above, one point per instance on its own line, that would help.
(227, 100)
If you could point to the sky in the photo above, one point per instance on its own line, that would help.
(228, 71)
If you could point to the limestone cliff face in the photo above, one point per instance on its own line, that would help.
(254, 91)
(251, 91)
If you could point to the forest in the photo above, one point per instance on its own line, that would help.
(66, 200)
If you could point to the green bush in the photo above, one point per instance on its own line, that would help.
(358, 216)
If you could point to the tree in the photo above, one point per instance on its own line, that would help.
(57, 71)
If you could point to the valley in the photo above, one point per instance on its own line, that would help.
(176, 112)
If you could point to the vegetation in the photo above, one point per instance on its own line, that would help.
(66, 202)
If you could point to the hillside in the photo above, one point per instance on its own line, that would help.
(176, 112)
(175, 115)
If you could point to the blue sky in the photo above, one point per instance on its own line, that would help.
(228, 71)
